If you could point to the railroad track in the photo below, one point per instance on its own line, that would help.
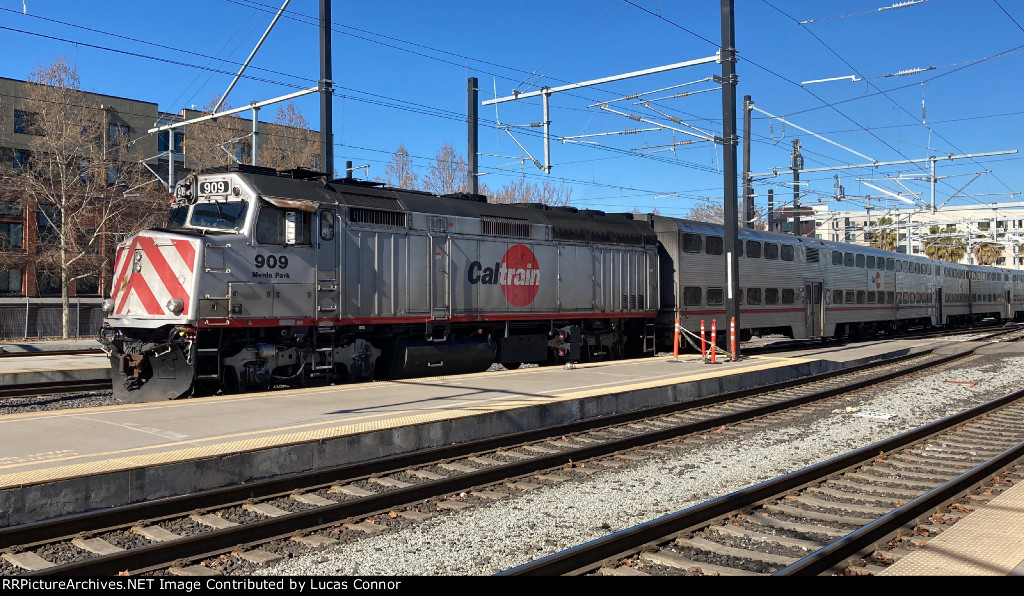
(331, 505)
(851, 515)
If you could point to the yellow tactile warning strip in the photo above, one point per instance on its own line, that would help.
(237, 443)
(989, 541)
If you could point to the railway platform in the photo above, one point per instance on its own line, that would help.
(61, 462)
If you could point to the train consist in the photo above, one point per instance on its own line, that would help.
(263, 278)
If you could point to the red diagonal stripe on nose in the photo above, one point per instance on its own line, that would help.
(164, 271)
(188, 253)
(129, 256)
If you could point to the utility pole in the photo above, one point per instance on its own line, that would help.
(798, 164)
(326, 86)
(727, 56)
(748, 193)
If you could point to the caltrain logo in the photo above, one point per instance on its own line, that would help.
(518, 274)
(877, 279)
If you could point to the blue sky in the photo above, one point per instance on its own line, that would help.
(401, 67)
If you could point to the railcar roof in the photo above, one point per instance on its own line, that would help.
(567, 223)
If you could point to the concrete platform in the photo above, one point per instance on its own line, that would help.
(61, 462)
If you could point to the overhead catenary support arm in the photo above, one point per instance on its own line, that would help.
(249, 59)
(546, 93)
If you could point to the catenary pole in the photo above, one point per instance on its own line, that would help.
(727, 56)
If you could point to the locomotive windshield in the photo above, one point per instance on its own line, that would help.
(217, 215)
(229, 215)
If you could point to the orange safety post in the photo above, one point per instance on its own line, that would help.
(675, 341)
(703, 345)
(732, 338)
(714, 340)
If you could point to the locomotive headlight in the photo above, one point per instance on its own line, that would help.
(175, 306)
(107, 305)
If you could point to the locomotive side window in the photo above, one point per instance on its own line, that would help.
(860, 261)
(851, 297)
(691, 243)
(837, 257)
(848, 259)
(753, 249)
(787, 252)
(326, 225)
(788, 296)
(870, 262)
(714, 245)
(890, 264)
(771, 295)
(771, 250)
(692, 296)
(753, 295)
(837, 296)
(716, 297)
(275, 226)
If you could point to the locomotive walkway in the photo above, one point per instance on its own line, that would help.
(60, 462)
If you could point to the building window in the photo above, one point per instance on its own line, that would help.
(10, 235)
(48, 282)
(117, 133)
(21, 158)
(28, 123)
(161, 140)
(10, 281)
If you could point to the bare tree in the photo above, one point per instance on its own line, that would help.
(521, 191)
(82, 178)
(447, 174)
(398, 172)
(715, 213)
(220, 141)
(289, 142)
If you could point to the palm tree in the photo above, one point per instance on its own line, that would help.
(885, 237)
(987, 253)
(944, 244)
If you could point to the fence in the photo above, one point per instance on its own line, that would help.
(28, 318)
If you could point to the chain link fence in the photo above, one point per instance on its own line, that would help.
(36, 318)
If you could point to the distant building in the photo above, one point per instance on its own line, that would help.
(998, 223)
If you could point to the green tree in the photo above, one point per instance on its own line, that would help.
(882, 234)
(987, 253)
(944, 244)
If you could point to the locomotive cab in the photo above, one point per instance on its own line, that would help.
(230, 259)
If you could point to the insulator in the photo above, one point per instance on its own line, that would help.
(635, 117)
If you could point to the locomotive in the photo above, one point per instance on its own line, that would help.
(265, 277)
